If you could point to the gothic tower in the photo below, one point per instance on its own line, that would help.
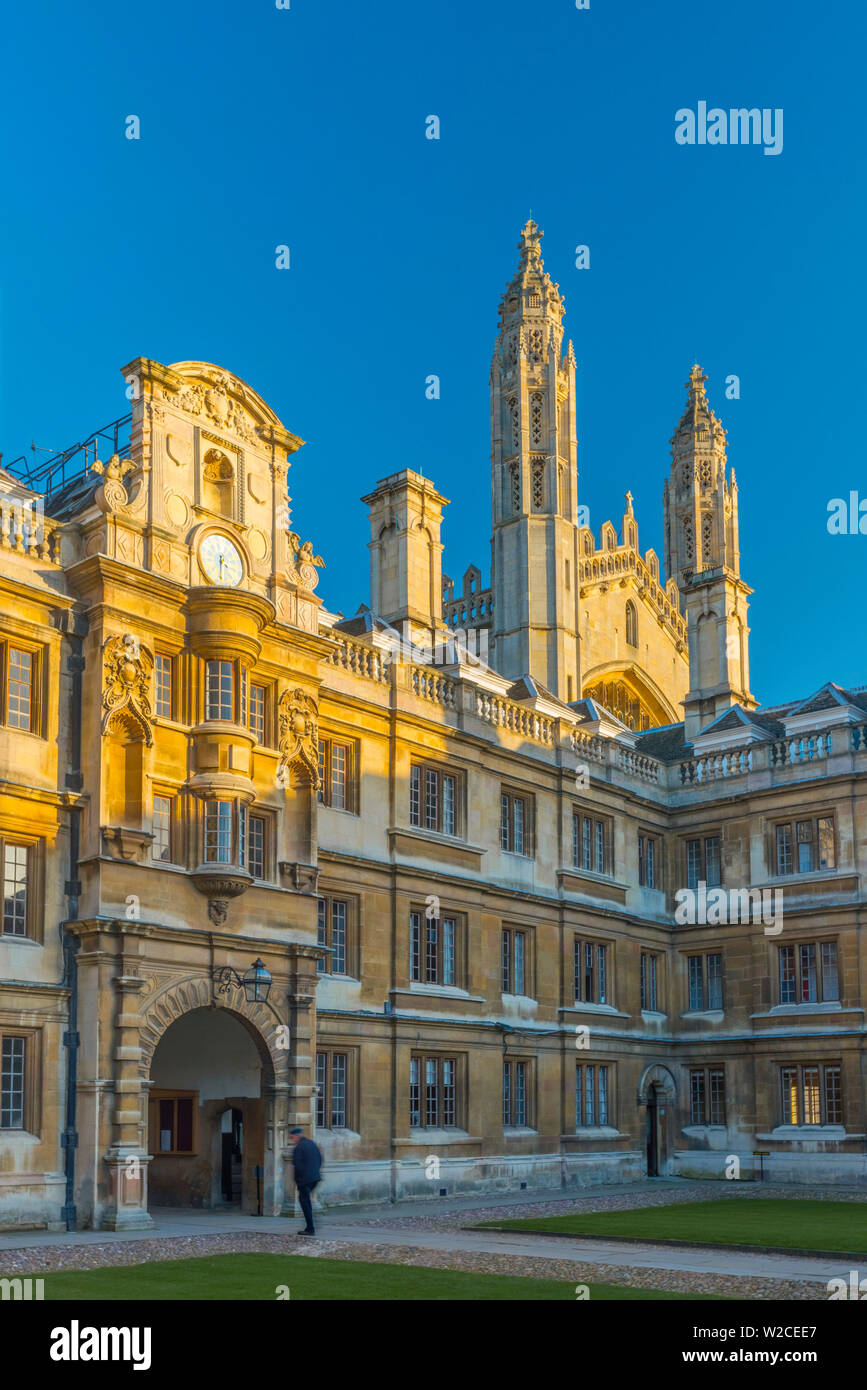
(534, 547)
(701, 554)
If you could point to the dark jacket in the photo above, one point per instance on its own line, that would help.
(308, 1163)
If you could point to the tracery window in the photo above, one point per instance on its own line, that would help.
(536, 420)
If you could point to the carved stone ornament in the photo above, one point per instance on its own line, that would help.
(302, 567)
(112, 496)
(298, 738)
(214, 399)
(218, 911)
(304, 878)
(127, 671)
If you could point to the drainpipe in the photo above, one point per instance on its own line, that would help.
(72, 889)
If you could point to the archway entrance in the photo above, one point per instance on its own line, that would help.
(206, 1113)
(657, 1092)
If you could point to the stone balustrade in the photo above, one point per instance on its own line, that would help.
(25, 529)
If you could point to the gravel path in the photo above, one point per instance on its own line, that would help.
(52, 1259)
(47, 1259)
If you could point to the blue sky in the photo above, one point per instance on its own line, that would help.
(306, 127)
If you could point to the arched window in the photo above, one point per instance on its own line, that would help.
(631, 625)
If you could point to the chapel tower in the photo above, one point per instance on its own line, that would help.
(701, 554)
(534, 547)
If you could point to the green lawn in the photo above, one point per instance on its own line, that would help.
(771, 1223)
(257, 1277)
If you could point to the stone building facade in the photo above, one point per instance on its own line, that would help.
(576, 911)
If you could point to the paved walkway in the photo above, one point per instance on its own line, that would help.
(373, 1225)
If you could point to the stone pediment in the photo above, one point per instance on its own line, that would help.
(217, 400)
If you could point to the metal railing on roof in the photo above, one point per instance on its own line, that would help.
(55, 472)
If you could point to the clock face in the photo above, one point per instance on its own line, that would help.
(221, 560)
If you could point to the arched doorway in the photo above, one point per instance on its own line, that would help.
(657, 1093)
(207, 1112)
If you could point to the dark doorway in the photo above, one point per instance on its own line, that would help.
(652, 1134)
(232, 1137)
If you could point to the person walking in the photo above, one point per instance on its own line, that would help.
(307, 1161)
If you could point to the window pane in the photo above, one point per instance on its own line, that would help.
(711, 862)
(807, 963)
(167, 1126)
(15, 859)
(603, 1095)
(338, 938)
(600, 847)
(827, 852)
(576, 961)
(830, 984)
(586, 842)
(243, 701)
(791, 1110)
(257, 712)
(415, 796)
(430, 955)
(256, 846)
(717, 1097)
(519, 963)
(507, 1093)
(576, 840)
(812, 1114)
(589, 993)
(449, 1092)
(693, 863)
(589, 1086)
(19, 689)
(321, 964)
(220, 691)
(161, 849)
(430, 1091)
(414, 1092)
(601, 975)
(449, 932)
(12, 1084)
(431, 800)
(520, 1093)
(415, 946)
(504, 823)
(322, 756)
(579, 1097)
(242, 836)
(518, 824)
(321, 1084)
(163, 685)
(448, 805)
(338, 1090)
(218, 832)
(806, 862)
(784, 849)
(714, 982)
(506, 961)
(787, 975)
(833, 1096)
(696, 1105)
(696, 982)
(185, 1124)
(338, 775)
(649, 863)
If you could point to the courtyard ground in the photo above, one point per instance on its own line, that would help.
(437, 1235)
